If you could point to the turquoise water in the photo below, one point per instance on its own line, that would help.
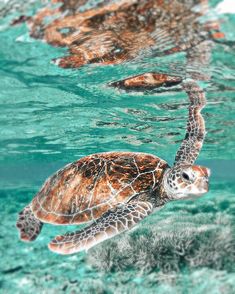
(51, 116)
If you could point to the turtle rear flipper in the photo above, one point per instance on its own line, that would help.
(111, 223)
(28, 225)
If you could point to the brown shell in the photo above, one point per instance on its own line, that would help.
(85, 189)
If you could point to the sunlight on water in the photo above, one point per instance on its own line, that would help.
(51, 116)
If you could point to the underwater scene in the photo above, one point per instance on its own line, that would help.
(84, 77)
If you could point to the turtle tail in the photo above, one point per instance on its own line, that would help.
(28, 225)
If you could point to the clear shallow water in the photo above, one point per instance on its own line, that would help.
(51, 116)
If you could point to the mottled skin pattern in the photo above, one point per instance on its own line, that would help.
(28, 225)
(116, 190)
(84, 190)
(194, 137)
(113, 222)
(195, 133)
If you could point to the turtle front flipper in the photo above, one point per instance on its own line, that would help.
(111, 223)
(28, 225)
(192, 143)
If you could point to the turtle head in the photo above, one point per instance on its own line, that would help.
(186, 181)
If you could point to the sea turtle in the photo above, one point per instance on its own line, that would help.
(116, 190)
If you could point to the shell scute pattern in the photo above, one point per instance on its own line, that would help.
(87, 188)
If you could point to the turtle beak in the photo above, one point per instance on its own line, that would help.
(204, 185)
(208, 172)
(205, 179)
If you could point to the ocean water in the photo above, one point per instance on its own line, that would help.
(51, 116)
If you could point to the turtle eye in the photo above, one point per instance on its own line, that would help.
(185, 176)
